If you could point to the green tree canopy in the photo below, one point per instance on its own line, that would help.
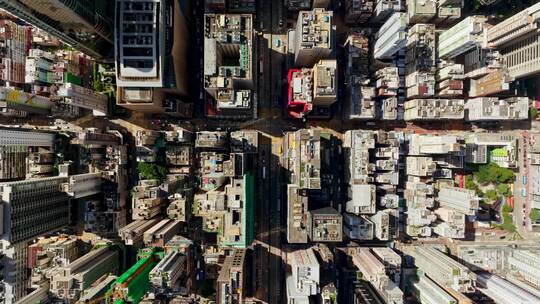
(152, 171)
(534, 215)
(491, 195)
(493, 173)
(504, 190)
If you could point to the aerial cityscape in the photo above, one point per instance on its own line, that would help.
(270, 151)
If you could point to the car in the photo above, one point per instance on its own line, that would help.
(277, 42)
(523, 192)
(524, 180)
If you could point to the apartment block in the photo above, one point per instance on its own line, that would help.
(84, 98)
(314, 37)
(358, 11)
(146, 200)
(302, 149)
(133, 233)
(498, 81)
(384, 8)
(16, 146)
(15, 40)
(459, 199)
(296, 5)
(360, 100)
(371, 160)
(495, 109)
(434, 109)
(449, 79)
(524, 263)
(452, 225)
(357, 52)
(442, 269)
(462, 37)
(420, 11)
(420, 61)
(357, 227)
(391, 37)
(69, 281)
(165, 276)
(371, 269)
(160, 233)
(428, 292)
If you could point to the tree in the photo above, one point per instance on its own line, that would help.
(505, 175)
(491, 195)
(507, 208)
(504, 190)
(152, 171)
(533, 112)
(469, 182)
(534, 215)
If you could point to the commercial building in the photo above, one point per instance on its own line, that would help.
(305, 273)
(310, 88)
(133, 233)
(302, 152)
(493, 108)
(160, 233)
(150, 56)
(12, 99)
(232, 280)
(499, 148)
(442, 269)
(325, 225)
(229, 64)
(391, 37)
(314, 37)
(517, 39)
(86, 26)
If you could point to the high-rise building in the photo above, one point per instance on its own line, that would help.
(314, 37)
(428, 292)
(459, 199)
(84, 24)
(16, 146)
(358, 11)
(232, 280)
(16, 40)
(514, 38)
(30, 208)
(69, 281)
(442, 269)
(150, 51)
(462, 37)
(493, 108)
(229, 64)
(391, 37)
